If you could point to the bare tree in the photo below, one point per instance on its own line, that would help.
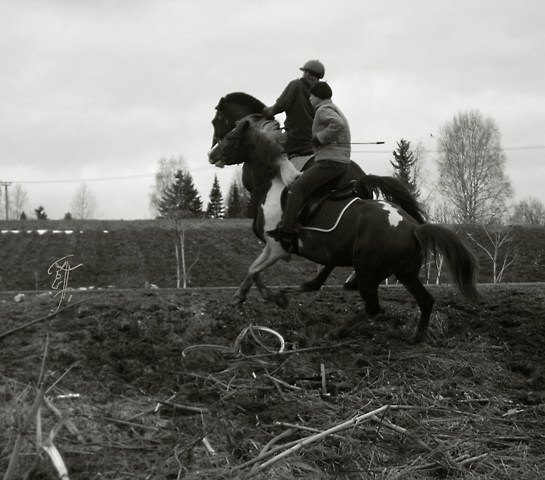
(442, 213)
(18, 201)
(165, 176)
(472, 169)
(83, 205)
(178, 236)
(499, 249)
(530, 211)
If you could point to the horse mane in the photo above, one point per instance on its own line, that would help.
(242, 99)
(272, 158)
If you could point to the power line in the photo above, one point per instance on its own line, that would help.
(99, 179)
(102, 179)
(198, 169)
(526, 147)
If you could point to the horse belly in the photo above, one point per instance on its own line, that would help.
(383, 243)
(368, 235)
(326, 248)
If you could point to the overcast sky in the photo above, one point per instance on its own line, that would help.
(103, 89)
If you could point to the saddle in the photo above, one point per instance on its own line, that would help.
(322, 210)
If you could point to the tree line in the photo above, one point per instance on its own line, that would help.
(175, 195)
(473, 187)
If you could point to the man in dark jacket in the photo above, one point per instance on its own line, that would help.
(294, 100)
(331, 141)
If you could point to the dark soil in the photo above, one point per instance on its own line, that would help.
(145, 376)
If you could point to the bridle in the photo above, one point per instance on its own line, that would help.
(228, 145)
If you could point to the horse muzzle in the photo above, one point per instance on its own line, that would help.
(216, 157)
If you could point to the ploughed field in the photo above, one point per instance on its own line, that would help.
(172, 384)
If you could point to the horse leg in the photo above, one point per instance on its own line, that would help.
(268, 295)
(242, 292)
(368, 288)
(424, 299)
(368, 283)
(268, 257)
(317, 282)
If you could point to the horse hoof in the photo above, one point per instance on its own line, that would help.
(238, 300)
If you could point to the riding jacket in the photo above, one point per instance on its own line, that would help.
(294, 100)
(331, 129)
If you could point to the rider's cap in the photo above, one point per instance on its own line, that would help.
(315, 67)
(322, 90)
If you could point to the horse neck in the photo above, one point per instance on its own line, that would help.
(237, 112)
(258, 178)
(287, 172)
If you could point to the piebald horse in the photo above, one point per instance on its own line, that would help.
(376, 237)
(237, 105)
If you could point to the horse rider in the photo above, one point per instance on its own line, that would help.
(331, 143)
(294, 100)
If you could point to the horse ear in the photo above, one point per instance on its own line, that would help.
(245, 125)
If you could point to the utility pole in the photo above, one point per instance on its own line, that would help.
(6, 185)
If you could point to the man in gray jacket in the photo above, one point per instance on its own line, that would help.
(331, 141)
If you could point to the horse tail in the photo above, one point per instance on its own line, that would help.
(461, 262)
(392, 190)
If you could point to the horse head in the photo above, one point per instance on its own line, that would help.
(231, 108)
(227, 151)
(258, 151)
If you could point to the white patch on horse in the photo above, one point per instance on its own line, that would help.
(393, 214)
(288, 173)
(272, 208)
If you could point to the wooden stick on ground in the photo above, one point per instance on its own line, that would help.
(403, 431)
(188, 408)
(322, 372)
(310, 429)
(268, 446)
(314, 438)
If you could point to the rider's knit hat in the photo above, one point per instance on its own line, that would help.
(322, 90)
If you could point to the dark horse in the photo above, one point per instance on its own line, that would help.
(376, 237)
(238, 105)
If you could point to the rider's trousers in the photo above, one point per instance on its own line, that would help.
(322, 172)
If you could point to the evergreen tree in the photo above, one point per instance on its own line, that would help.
(180, 199)
(215, 207)
(192, 199)
(68, 216)
(40, 213)
(250, 206)
(404, 164)
(23, 216)
(235, 202)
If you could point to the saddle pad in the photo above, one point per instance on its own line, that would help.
(328, 216)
